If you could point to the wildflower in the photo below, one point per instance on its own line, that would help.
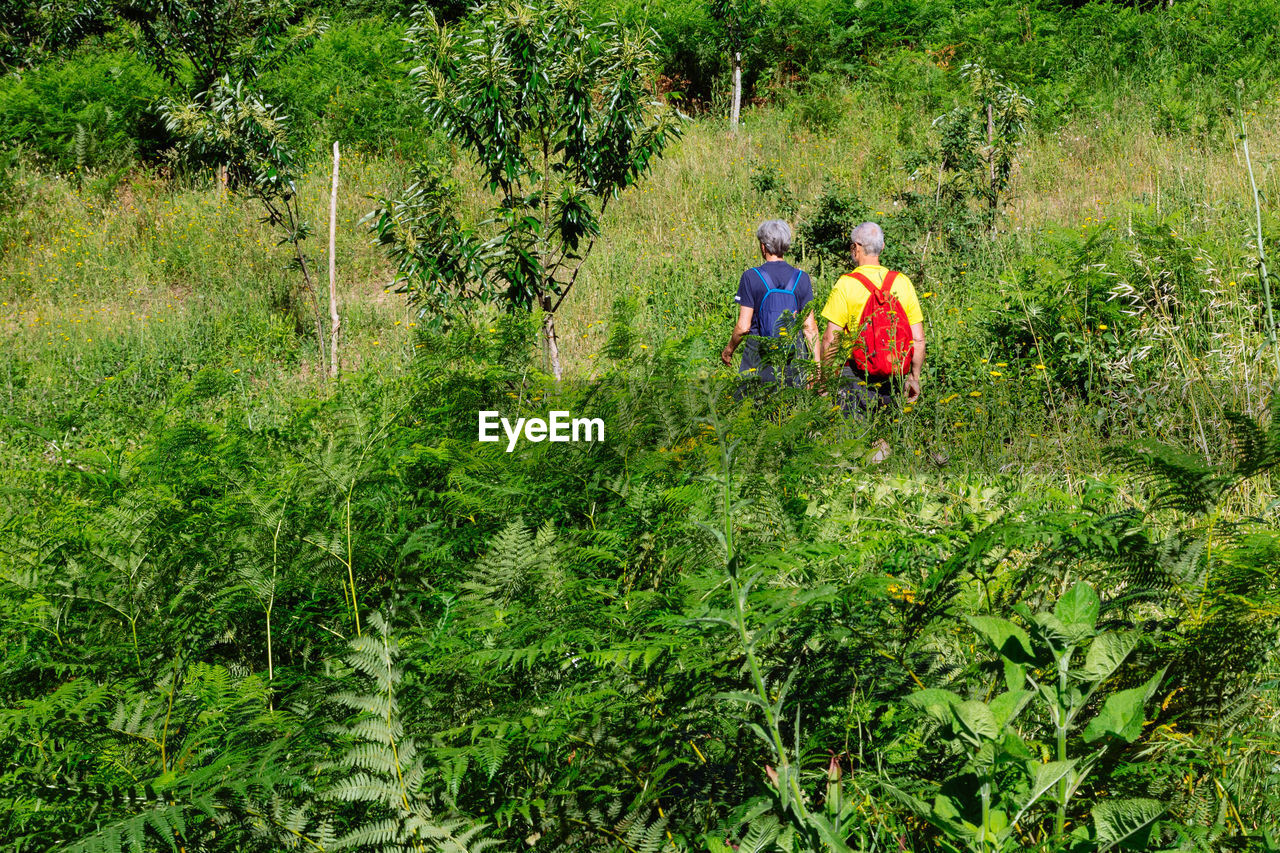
(975, 393)
(926, 294)
(997, 374)
(1040, 367)
(949, 399)
(1102, 327)
(1002, 364)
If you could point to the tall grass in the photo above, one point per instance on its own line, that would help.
(127, 293)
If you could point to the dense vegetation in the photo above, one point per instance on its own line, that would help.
(248, 607)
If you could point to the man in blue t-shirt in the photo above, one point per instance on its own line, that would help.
(791, 291)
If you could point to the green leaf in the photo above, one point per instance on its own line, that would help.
(1122, 715)
(1107, 653)
(1043, 778)
(1117, 821)
(975, 722)
(935, 702)
(828, 834)
(1058, 634)
(1005, 637)
(1007, 706)
(741, 696)
(1079, 607)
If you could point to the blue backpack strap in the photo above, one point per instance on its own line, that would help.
(769, 288)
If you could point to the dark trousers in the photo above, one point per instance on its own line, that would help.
(861, 394)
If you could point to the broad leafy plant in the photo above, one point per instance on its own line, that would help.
(1005, 766)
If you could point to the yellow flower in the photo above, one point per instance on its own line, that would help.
(1040, 367)
(1001, 364)
(996, 373)
(1102, 327)
(926, 294)
(975, 393)
(949, 399)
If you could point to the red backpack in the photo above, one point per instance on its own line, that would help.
(885, 345)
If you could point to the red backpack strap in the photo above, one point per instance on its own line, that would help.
(866, 282)
(887, 284)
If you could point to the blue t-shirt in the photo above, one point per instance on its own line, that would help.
(751, 291)
(780, 275)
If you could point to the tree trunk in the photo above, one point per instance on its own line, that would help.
(549, 337)
(335, 321)
(736, 109)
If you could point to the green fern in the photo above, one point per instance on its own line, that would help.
(383, 771)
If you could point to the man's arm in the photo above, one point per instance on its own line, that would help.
(917, 362)
(739, 332)
(811, 337)
(827, 351)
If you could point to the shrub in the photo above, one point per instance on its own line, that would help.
(351, 88)
(94, 109)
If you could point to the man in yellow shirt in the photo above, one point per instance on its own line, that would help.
(844, 308)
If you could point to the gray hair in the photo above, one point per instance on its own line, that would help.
(870, 236)
(775, 236)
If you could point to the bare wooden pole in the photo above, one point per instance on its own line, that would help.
(736, 108)
(335, 321)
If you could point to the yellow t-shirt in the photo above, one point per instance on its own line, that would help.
(849, 296)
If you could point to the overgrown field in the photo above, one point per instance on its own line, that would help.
(250, 608)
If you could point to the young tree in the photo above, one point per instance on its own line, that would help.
(233, 127)
(740, 20)
(558, 115)
(1002, 112)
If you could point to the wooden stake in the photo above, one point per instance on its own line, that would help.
(736, 109)
(335, 321)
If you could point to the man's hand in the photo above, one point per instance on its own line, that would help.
(727, 356)
(913, 388)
